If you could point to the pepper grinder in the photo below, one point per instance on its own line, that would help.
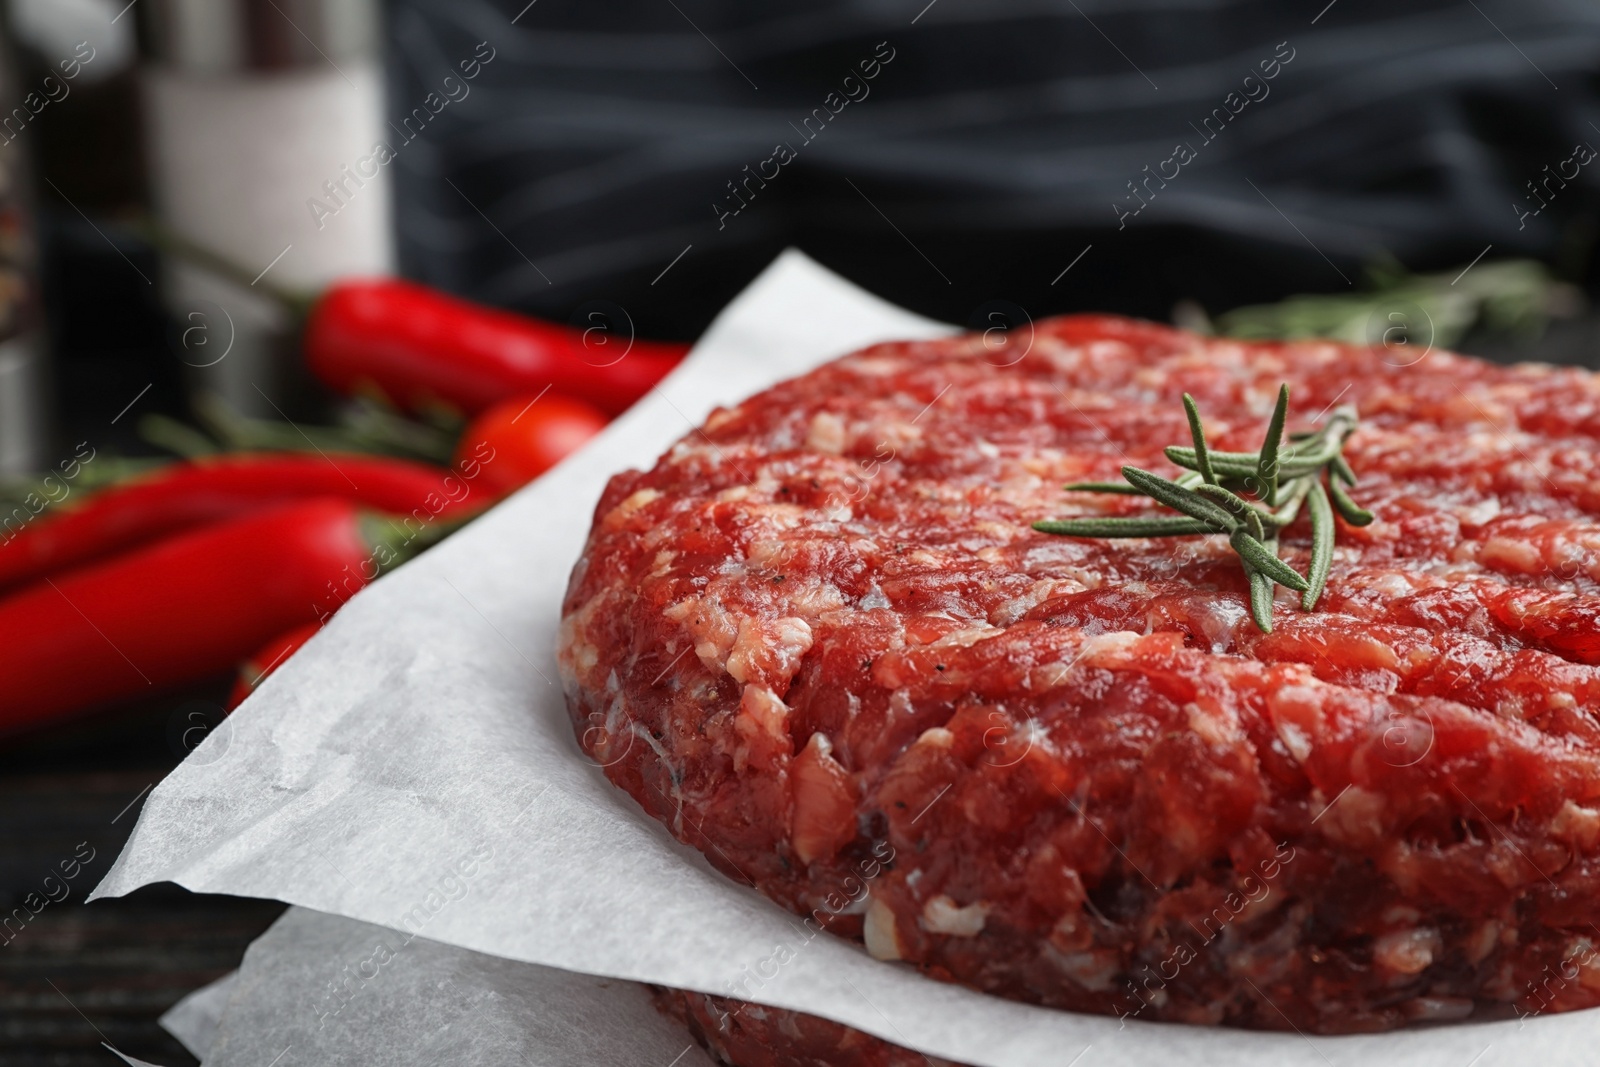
(255, 110)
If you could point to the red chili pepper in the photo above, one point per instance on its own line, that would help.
(186, 495)
(419, 346)
(187, 608)
(266, 659)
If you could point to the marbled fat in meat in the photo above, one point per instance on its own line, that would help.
(821, 625)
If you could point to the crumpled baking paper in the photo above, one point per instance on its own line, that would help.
(319, 989)
(413, 767)
(195, 1018)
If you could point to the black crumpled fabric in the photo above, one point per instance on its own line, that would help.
(998, 142)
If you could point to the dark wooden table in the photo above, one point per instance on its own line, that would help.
(74, 976)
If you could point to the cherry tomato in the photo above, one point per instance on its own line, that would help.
(527, 435)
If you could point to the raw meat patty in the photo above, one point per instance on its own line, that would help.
(820, 642)
(750, 1035)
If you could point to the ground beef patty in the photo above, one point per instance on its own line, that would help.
(750, 1035)
(820, 642)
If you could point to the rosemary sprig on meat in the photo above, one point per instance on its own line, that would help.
(1249, 496)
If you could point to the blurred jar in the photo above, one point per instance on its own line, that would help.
(24, 382)
(253, 107)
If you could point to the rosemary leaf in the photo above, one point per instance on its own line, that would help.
(1340, 425)
(1235, 503)
(1188, 480)
(1178, 498)
(1293, 496)
(1322, 531)
(1226, 466)
(1196, 431)
(1344, 419)
(1310, 455)
(1250, 496)
(1252, 523)
(1267, 464)
(1102, 487)
(1320, 447)
(1256, 555)
(1231, 462)
(1127, 526)
(1260, 600)
(1353, 513)
(1218, 459)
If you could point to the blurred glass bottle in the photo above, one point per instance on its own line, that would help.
(24, 383)
(252, 108)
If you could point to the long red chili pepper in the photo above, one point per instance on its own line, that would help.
(187, 608)
(266, 659)
(419, 346)
(191, 494)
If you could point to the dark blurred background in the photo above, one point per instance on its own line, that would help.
(952, 156)
(991, 149)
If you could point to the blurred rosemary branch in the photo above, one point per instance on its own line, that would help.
(1514, 296)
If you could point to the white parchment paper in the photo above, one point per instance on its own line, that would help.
(312, 990)
(194, 1019)
(413, 767)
